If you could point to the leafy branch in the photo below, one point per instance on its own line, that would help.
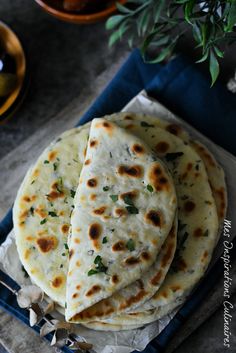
(159, 24)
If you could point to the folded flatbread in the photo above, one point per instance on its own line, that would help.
(125, 206)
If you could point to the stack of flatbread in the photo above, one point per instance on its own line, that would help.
(118, 219)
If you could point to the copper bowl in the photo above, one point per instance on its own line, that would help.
(87, 16)
(14, 48)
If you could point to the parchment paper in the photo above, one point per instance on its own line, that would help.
(127, 341)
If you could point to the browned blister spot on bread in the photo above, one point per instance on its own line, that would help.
(71, 253)
(154, 217)
(158, 178)
(128, 117)
(100, 210)
(119, 246)
(138, 149)
(120, 212)
(156, 279)
(174, 129)
(135, 171)
(58, 281)
(168, 255)
(87, 162)
(130, 261)
(145, 256)
(95, 231)
(92, 183)
(47, 244)
(162, 147)
(198, 232)
(93, 290)
(115, 279)
(52, 155)
(65, 228)
(189, 206)
(130, 194)
(133, 299)
(93, 143)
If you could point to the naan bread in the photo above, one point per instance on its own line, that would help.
(118, 225)
(215, 172)
(41, 214)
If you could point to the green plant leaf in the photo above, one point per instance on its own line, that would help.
(214, 68)
(143, 22)
(203, 58)
(219, 52)
(122, 8)
(231, 21)
(188, 10)
(113, 21)
(118, 34)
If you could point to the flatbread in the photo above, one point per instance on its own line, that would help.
(197, 215)
(41, 214)
(113, 203)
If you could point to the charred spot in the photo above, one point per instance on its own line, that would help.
(93, 143)
(87, 162)
(198, 232)
(138, 149)
(162, 147)
(95, 230)
(52, 155)
(128, 117)
(92, 183)
(94, 289)
(157, 178)
(71, 253)
(99, 211)
(115, 279)
(120, 212)
(65, 228)
(163, 180)
(140, 283)
(145, 256)
(175, 288)
(75, 295)
(129, 126)
(26, 199)
(119, 246)
(167, 256)
(156, 279)
(154, 217)
(173, 129)
(53, 195)
(189, 166)
(133, 299)
(135, 171)
(93, 197)
(47, 244)
(78, 286)
(108, 126)
(189, 206)
(57, 282)
(130, 194)
(41, 212)
(204, 256)
(132, 261)
(181, 264)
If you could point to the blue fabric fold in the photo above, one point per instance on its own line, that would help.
(183, 89)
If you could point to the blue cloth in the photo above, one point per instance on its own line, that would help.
(184, 90)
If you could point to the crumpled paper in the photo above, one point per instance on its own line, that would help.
(127, 341)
